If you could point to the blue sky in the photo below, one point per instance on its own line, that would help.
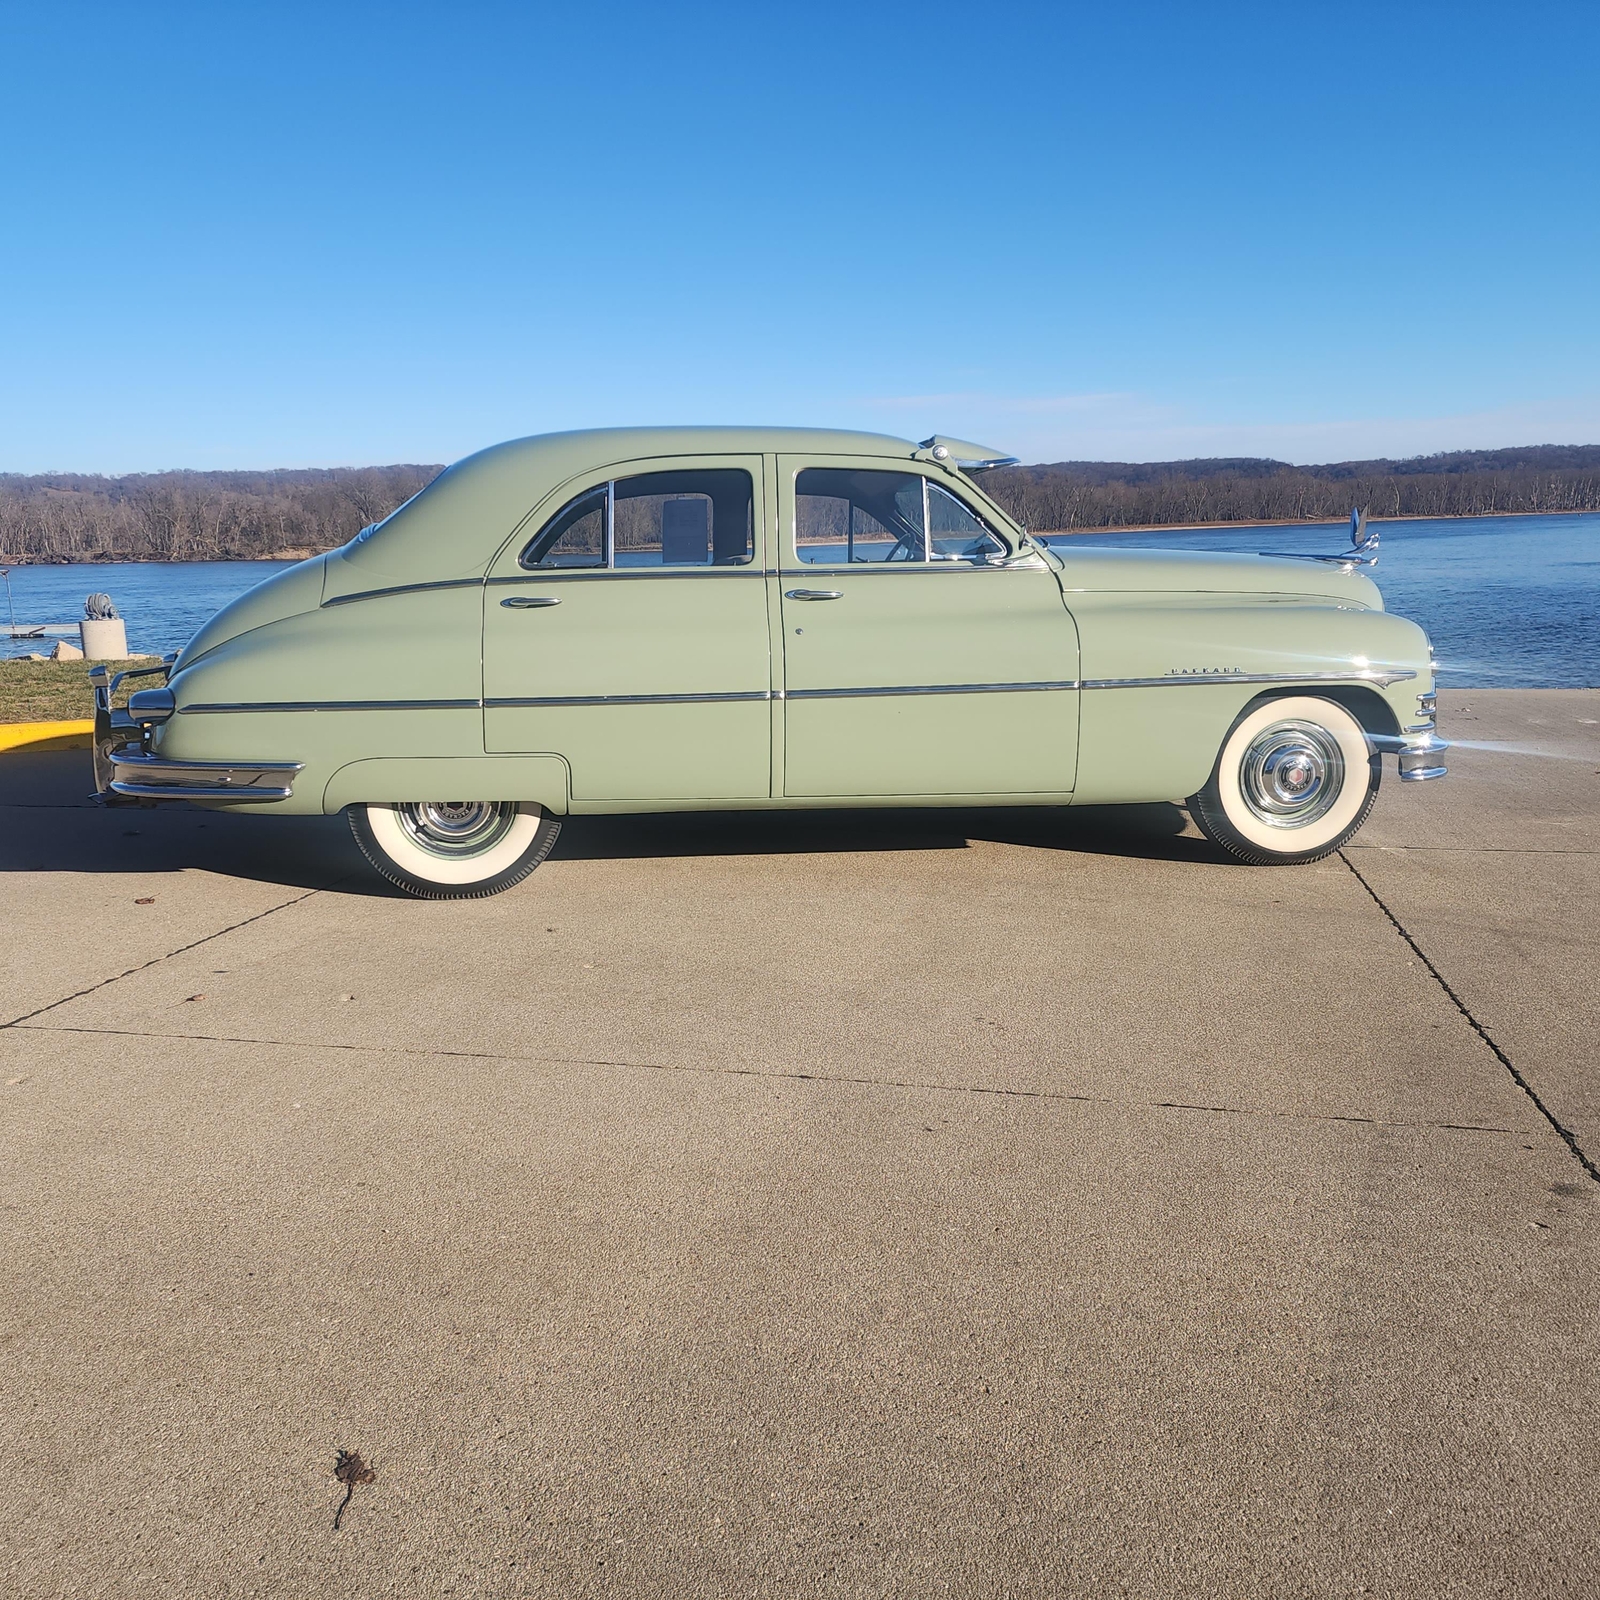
(264, 235)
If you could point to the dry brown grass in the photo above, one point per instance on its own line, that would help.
(55, 691)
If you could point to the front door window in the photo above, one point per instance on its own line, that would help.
(848, 517)
(853, 517)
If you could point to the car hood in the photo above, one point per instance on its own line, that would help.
(1096, 568)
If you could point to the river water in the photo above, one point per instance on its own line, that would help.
(1510, 602)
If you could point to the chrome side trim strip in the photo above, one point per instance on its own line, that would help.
(402, 588)
(333, 705)
(928, 688)
(508, 703)
(1172, 680)
(597, 574)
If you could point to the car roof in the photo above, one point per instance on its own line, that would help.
(455, 524)
(595, 447)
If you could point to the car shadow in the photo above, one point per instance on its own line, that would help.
(1149, 832)
(55, 825)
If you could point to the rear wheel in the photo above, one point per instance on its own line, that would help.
(1295, 778)
(454, 849)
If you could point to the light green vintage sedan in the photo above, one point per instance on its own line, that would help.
(664, 619)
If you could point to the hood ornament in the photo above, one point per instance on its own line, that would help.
(1363, 551)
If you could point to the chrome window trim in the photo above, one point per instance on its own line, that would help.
(1013, 564)
(622, 574)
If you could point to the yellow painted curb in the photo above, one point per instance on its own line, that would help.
(47, 735)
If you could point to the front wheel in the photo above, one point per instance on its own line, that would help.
(454, 849)
(1296, 777)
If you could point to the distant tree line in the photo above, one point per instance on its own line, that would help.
(195, 516)
(1072, 495)
(219, 516)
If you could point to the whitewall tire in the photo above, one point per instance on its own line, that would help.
(454, 849)
(1295, 778)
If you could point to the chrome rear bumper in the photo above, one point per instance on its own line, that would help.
(136, 775)
(126, 773)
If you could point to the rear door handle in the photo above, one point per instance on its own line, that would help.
(529, 602)
(813, 594)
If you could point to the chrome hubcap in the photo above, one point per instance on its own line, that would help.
(1291, 774)
(456, 828)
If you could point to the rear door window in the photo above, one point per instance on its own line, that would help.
(694, 517)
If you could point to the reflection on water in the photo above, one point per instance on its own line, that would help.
(1508, 601)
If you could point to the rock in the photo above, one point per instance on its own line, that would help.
(66, 652)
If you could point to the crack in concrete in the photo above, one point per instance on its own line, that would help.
(1566, 1135)
(999, 1091)
(155, 961)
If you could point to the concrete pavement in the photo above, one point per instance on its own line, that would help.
(980, 1204)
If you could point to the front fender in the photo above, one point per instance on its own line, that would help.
(1163, 683)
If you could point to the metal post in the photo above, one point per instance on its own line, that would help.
(5, 572)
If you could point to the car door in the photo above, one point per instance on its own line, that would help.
(626, 630)
(920, 657)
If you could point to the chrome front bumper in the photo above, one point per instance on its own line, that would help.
(1416, 753)
(126, 772)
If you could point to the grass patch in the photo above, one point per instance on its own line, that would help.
(56, 691)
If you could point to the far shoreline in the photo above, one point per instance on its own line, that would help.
(1043, 533)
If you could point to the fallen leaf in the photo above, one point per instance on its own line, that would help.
(350, 1470)
(145, 900)
(193, 998)
(22, 1077)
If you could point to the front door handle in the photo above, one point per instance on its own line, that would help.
(813, 594)
(529, 602)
